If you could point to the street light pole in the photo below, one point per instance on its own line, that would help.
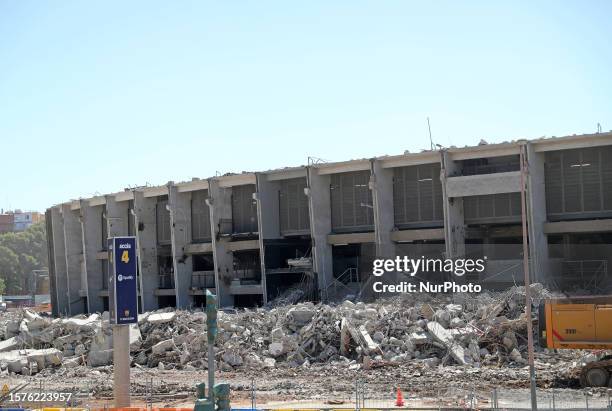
(532, 376)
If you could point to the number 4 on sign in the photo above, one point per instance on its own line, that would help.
(125, 257)
(5, 389)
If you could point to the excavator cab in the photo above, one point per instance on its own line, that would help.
(583, 323)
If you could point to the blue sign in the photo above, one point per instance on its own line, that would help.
(123, 285)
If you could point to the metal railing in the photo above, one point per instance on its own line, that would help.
(203, 279)
(587, 274)
(350, 275)
(166, 281)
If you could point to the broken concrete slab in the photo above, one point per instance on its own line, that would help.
(100, 358)
(445, 337)
(160, 318)
(12, 343)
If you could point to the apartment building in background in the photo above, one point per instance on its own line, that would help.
(251, 237)
(14, 221)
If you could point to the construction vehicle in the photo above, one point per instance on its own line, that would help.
(583, 323)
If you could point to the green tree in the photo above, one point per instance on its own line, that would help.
(10, 270)
(20, 253)
(2, 286)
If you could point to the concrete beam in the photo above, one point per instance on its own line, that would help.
(411, 159)
(342, 167)
(150, 192)
(286, 174)
(484, 151)
(418, 235)
(236, 180)
(198, 248)
(193, 185)
(483, 184)
(582, 226)
(351, 238)
(571, 142)
(243, 245)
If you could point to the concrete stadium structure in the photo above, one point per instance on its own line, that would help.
(251, 236)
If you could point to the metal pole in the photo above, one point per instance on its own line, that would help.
(586, 400)
(211, 372)
(532, 377)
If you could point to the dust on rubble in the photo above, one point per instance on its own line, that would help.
(422, 342)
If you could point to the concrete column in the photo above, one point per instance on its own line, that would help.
(454, 221)
(268, 220)
(77, 279)
(59, 261)
(91, 229)
(536, 215)
(180, 233)
(381, 184)
(220, 205)
(319, 202)
(51, 263)
(146, 234)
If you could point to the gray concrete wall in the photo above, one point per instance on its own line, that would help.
(77, 277)
(319, 202)
(147, 244)
(536, 214)
(117, 217)
(180, 232)
(268, 207)
(221, 208)
(483, 184)
(59, 259)
(454, 220)
(91, 229)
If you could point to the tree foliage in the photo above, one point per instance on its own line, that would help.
(20, 253)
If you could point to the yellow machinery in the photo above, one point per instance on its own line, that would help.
(580, 323)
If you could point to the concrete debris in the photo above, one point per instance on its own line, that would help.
(442, 335)
(488, 329)
(160, 318)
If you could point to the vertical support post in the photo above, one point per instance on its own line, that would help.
(586, 400)
(211, 334)
(532, 377)
(121, 365)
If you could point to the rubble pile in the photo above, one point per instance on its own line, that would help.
(484, 329)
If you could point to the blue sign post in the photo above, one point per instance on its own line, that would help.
(123, 305)
(123, 287)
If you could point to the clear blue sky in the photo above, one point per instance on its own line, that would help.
(96, 96)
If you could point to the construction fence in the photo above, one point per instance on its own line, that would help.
(154, 395)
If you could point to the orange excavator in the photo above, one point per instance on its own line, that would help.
(583, 323)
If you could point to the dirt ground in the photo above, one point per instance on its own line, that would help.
(324, 385)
